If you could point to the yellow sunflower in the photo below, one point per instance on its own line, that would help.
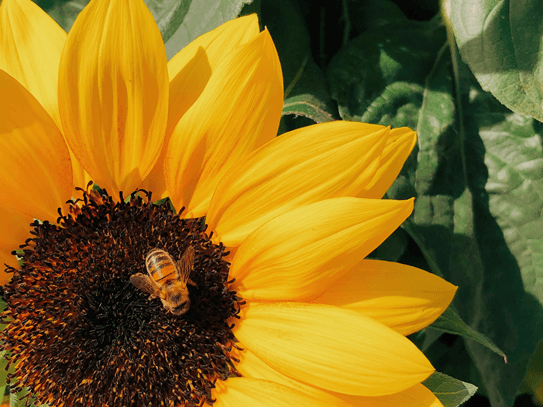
(284, 310)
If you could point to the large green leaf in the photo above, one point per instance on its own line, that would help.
(478, 184)
(485, 239)
(380, 75)
(501, 40)
(508, 225)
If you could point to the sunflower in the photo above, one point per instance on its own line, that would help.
(284, 309)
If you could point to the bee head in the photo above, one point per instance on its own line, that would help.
(180, 308)
(176, 301)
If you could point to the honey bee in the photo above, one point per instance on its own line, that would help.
(167, 279)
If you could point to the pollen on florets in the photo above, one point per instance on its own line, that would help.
(79, 334)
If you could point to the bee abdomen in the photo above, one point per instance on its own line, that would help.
(160, 265)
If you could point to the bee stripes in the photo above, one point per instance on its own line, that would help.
(160, 266)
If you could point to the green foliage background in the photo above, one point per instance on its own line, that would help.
(476, 173)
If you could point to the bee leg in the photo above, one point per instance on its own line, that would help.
(152, 297)
(192, 283)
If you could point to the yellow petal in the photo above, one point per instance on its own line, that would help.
(31, 43)
(251, 366)
(417, 396)
(303, 166)
(36, 172)
(249, 392)
(189, 71)
(113, 92)
(332, 348)
(14, 230)
(402, 297)
(399, 144)
(296, 256)
(238, 111)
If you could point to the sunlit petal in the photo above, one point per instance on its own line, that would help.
(307, 165)
(417, 396)
(250, 392)
(31, 43)
(332, 348)
(238, 111)
(189, 71)
(36, 172)
(251, 366)
(399, 144)
(402, 297)
(113, 92)
(296, 256)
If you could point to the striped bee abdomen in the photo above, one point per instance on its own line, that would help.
(160, 266)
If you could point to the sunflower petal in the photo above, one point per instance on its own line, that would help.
(399, 144)
(14, 230)
(417, 396)
(303, 166)
(401, 297)
(297, 255)
(113, 92)
(36, 172)
(249, 392)
(189, 71)
(251, 366)
(238, 111)
(332, 348)
(31, 43)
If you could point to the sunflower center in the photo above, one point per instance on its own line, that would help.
(81, 334)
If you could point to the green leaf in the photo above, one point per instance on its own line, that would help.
(450, 391)
(379, 77)
(306, 94)
(508, 225)
(501, 42)
(451, 323)
(477, 221)
(477, 183)
(307, 105)
(185, 20)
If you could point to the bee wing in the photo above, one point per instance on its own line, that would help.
(185, 264)
(143, 282)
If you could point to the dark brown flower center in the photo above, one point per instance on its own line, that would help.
(80, 334)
